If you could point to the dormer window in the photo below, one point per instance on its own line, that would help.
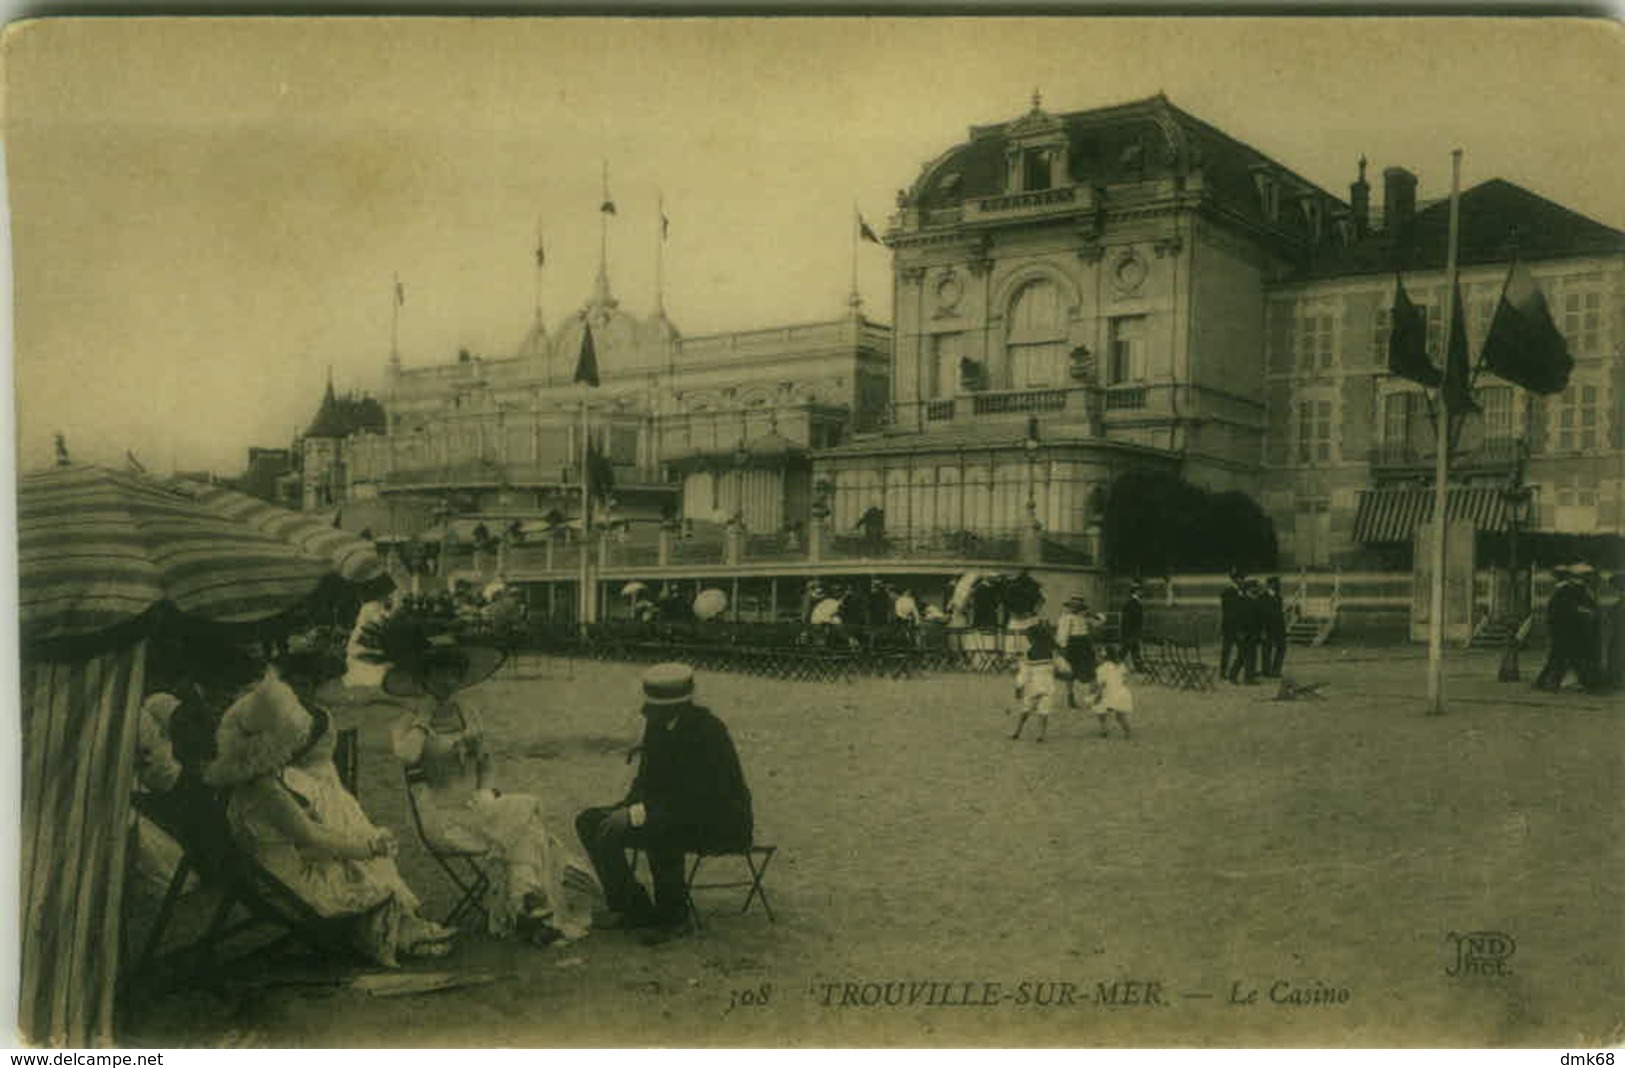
(1269, 192)
(1036, 169)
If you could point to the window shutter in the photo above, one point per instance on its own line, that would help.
(1359, 320)
(1281, 353)
(1282, 435)
(1359, 416)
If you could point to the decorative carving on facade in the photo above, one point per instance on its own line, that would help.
(1091, 252)
(911, 275)
(1168, 246)
(1129, 271)
(949, 291)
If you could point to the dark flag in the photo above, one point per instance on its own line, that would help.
(600, 472)
(1408, 341)
(541, 253)
(865, 232)
(1457, 389)
(1524, 345)
(587, 362)
(607, 207)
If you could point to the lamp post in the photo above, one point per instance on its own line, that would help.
(1516, 496)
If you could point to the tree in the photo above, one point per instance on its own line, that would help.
(1158, 523)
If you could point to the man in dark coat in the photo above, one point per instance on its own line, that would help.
(1274, 612)
(1571, 616)
(1132, 627)
(1232, 607)
(689, 796)
(1249, 633)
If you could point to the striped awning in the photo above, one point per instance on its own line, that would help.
(1386, 515)
(99, 548)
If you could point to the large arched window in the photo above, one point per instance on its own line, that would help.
(1035, 350)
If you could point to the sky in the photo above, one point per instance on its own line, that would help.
(207, 215)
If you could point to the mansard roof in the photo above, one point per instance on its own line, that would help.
(1499, 220)
(1134, 142)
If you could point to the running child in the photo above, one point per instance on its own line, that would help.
(1112, 695)
(1035, 679)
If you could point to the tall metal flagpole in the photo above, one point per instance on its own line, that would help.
(584, 565)
(1441, 465)
(395, 301)
(852, 298)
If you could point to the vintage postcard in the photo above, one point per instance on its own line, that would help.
(845, 532)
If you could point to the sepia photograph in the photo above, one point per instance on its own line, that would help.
(848, 532)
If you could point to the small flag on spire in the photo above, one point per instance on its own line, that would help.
(865, 231)
(607, 207)
(541, 252)
(400, 293)
(587, 362)
(665, 225)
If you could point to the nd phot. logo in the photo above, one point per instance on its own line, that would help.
(1481, 953)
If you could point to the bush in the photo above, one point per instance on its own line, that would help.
(1161, 524)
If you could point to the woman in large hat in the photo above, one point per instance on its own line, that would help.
(546, 892)
(1074, 633)
(286, 807)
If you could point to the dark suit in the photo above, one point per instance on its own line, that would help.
(1274, 633)
(695, 800)
(1232, 607)
(1249, 616)
(1131, 630)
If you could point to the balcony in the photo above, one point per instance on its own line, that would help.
(1125, 398)
(1036, 202)
(1489, 456)
(1019, 402)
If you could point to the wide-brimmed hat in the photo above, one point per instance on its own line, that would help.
(1077, 600)
(262, 732)
(668, 684)
(468, 665)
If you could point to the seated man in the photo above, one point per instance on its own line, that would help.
(689, 796)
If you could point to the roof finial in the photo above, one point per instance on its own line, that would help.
(1038, 100)
(1362, 166)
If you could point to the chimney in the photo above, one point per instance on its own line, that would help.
(1360, 201)
(1398, 200)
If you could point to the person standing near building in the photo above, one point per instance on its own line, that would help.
(1112, 695)
(1249, 616)
(1232, 606)
(1570, 615)
(1274, 612)
(1074, 633)
(1132, 626)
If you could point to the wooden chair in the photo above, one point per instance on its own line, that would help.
(465, 868)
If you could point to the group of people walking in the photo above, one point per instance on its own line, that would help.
(1584, 637)
(1252, 629)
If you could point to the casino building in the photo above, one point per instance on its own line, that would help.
(1076, 296)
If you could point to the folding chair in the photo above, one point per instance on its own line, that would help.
(465, 868)
(756, 858)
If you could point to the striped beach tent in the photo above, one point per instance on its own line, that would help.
(104, 558)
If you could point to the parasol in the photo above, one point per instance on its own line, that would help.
(962, 590)
(710, 603)
(632, 589)
(98, 552)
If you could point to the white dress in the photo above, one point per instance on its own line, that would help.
(360, 671)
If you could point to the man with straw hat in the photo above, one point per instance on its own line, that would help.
(689, 796)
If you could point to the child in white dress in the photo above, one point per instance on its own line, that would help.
(1112, 695)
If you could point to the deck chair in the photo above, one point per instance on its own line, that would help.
(240, 885)
(1293, 690)
(465, 869)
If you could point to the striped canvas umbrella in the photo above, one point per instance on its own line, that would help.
(99, 548)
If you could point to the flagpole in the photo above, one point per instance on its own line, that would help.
(1441, 465)
(660, 256)
(852, 298)
(584, 616)
(395, 322)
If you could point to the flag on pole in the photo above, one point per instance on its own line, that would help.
(1408, 341)
(1524, 345)
(1457, 390)
(865, 231)
(607, 207)
(400, 294)
(665, 225)
(541, 252)
(600, 472)
(587, 362)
